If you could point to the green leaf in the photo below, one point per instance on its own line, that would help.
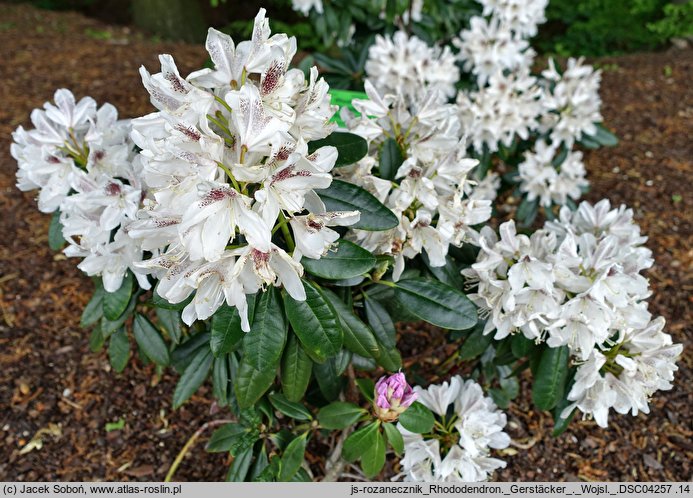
(315, 323)
(381, 323)
(115, 426)
(160, 302)
(328, 378)
(96, 339)
(357, 444)
(220, 380)
(115, 303)
(358, 338)
(183, 355)
(170, 321)
(348, 261)
(549, 382)
(226, 328)
(390, 159)
(436, 303)
(520, 345)
(339, 415)
(119, 349)
(262, 349)
(417, 418)
(224, 438)
(394, 437)
(193, 376)
(561, 424)
(367, 388)
(296, 368)
(448, 274)
(293, 458)
(149, 339)
(289, 408)
(240, 465)
(475, 343)
(344, 196)
(55, 232)
(261, 463)
(94, 309)
(527, 211)
(604, 136)
(373, 459)
(110, 326)
(350, 147)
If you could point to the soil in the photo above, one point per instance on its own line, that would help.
(53, 386)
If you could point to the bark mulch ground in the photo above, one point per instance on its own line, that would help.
(52, 386)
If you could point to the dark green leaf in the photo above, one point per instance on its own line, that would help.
(527, 211)
(561, 424)
(220, 380)
(520, 345)
(171, 322)
(350, 147)
(261, 463)
(417, 418)
(55, 232)
(390, 159)
(339, 415)
(96, 340)
(184, 353)
(357, 444)
(193, 377)
(348, 261)
(110, 326)
(226, 331)
(293, 458)
(224, 438)
(381, 323)
(119, 350)
(315, 323)
(394, 437)
(289, 408)
(373, 459)
(475, 343)
(358, 338)
(115, 303)
(549, 382)
(149, 339)
(94, 310)
(367, 388)
(437, 303)
(296, 368)
(448, 274)
(604, 136)
(344, 196)
(240, 465)
(262, 349)
(328, 378)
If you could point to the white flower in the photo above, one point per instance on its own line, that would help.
(477, 426)
(304, 6)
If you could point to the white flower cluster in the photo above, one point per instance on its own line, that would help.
(508, 107)
(227, 162)
(571, 101)
(577, 283)
(404, 64)
(81, 160)
(304, 6)
(519, 16)
(471, 431)
(429, 192)
(540, 179)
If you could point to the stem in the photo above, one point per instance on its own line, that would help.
(221, 125)
(224, 103)
(189, 444)
(285, 231)
(230, 175)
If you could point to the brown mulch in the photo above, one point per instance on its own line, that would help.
(51, 383)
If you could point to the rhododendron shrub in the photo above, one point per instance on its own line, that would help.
(236, 236)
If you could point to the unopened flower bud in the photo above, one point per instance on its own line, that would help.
(392, 397)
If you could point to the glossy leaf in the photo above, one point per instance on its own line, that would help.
(351, 148)
(550, 379)
(358, 337)
(347, 261)
(296, 367)
(293, 458)
(390, 159)
(240, 466)
(315, 323)
(262, 349)
(436, 303)
(226, 331)
(93, 311)
(475, 343)
(344, 196)
(119, 350)
(291, 409)
(339, 415)
(150, 340)
(115, 303)
(171, 322)
(394, 438)
(193, 376)
(417, 418)
(358, 443)
(55, 232)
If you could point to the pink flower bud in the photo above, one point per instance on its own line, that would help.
(392, 397)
